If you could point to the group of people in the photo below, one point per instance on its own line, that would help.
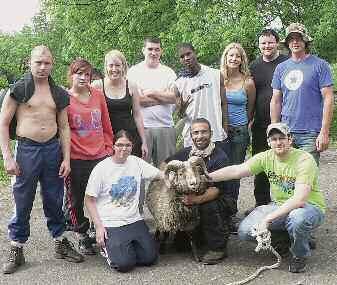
(99, 138)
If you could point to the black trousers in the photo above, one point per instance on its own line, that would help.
(215, 218)
(76, 183)
(261, 183)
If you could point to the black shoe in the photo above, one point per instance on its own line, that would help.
(212, 257)
(85, 246)
(15, 259)
(65, 250)
(297, 264)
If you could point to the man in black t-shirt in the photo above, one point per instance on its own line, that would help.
(262, 70)
(218, 203)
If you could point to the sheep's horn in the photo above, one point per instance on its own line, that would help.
(198, 161)
(173, 166)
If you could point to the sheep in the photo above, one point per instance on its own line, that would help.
(164, 196)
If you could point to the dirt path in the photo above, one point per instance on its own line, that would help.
(42, 268)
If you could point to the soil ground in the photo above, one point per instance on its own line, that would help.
(174, 268)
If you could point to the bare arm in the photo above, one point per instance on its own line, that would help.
(166, 96)
(138, 118)
(231, 172)
(8, 110)
(251, 96)
(211, 194)
(322, 141)
(275, 106)
(64, 132)
(300, 197)
(101, 234)
(223, 104)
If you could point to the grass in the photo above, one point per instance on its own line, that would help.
(4, 178)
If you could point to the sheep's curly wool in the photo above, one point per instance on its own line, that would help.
(164, 197)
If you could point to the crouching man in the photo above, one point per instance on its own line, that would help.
(299, 205)
(40, 109)
(217, 204)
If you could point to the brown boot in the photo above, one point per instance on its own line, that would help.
(15, 259)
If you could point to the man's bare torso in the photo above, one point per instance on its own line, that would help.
(37, 119)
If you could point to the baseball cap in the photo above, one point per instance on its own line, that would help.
(281, 127)
(297, 28)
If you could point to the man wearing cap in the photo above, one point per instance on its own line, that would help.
(262, 70)
(303, 93)
(298, 206)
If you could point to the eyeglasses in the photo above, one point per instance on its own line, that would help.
(122, 145)
(280, 138)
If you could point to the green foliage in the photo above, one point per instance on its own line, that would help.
(85, 28)
(333, 130)
(3, 82)
(4, 178)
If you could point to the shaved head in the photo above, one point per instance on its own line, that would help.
(41, 62)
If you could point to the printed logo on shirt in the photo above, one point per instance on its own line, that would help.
(285, 183)
(202, 86)
(84, 127)
(124, 191)
(293, 79)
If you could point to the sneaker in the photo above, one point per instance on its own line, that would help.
(65, 250)
(15, 259)
(213, 257)
(297, 264)
(85, 246)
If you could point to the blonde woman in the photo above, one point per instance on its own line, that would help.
(240, 94)
(122, 99)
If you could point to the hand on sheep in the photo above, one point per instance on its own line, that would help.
(101, 236)
(190, 199)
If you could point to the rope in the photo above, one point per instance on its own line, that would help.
(263, 239)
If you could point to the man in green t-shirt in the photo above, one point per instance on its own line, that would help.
(298, 205)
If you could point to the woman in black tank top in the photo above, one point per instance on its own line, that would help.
(122, 99)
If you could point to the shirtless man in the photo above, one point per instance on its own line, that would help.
(42, 154)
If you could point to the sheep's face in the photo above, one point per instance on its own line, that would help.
(192, 177)
(186, 177)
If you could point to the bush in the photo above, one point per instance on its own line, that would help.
(333, 130)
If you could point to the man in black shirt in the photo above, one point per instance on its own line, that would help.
(262, 70)
(217, 204)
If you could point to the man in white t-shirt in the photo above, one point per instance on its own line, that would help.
(201, 89)
(157, 101)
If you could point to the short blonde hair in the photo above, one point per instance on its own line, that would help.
(120, 56)
(41, 50)
(244, 70)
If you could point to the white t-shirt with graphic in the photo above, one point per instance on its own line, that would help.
(117, 188)
(204, 89)
(160, 78)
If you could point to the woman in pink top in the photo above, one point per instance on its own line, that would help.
(91, 142)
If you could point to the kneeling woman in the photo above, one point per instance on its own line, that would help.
(112, 199)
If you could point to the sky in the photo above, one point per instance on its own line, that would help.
(14, 14)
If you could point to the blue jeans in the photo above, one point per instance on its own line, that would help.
(130, 245)
(239, 140)
(37, 162)
(307, 142)
(299, 223)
